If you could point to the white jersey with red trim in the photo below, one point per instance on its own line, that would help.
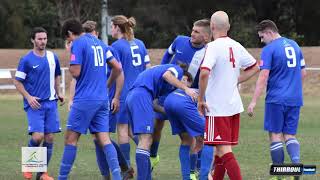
(224, 57)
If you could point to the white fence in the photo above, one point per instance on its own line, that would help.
(7, 74)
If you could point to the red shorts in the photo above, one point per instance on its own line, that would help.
(223, 130)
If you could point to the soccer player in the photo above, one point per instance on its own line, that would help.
(282, 71)
(114, 94)
(190, 51)
(134, 58)
(186, 121)
(37, 80)
(219, 77)
(90, 108)
(149, 85)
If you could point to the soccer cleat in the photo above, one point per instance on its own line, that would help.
(27, 175)
(193, 176)
(128, 174)
(154, 161)
(45, 176)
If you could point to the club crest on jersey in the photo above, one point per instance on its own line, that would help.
(73, 57)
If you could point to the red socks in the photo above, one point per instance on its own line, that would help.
(226, 163)
(219, 169)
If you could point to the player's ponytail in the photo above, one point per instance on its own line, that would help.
(125, 25)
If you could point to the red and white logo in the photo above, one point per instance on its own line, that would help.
(73, 57)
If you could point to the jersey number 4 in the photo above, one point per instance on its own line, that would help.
(291, 55)
(232, 60)
(98, 55)
(136, 61)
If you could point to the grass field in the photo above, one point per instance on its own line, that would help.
(253, 151)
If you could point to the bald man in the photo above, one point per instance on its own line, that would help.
(219, 99)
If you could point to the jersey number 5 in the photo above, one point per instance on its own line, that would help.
(232, 60)
(291, 55)
(136, 61)
(98, 55)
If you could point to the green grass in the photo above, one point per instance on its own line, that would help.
(252, 151)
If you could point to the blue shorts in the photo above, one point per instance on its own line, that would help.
(89, 114)
(122, 116)
(140, 110)
(45, 119)
(161, 116)
(184, 116)
(112, 122)
(281, 119)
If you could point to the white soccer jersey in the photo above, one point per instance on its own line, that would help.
(224, 57)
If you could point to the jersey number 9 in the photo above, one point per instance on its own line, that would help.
(291, 55)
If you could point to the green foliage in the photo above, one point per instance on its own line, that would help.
(160, 21)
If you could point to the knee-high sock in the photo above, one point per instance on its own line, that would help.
(184, 155)
(293, 149)
(112, 159)
(154, 149)
(231, 165)
(219, 169)
(125, 149)
(193, 162)
(143, 164)
(101, 160)
(277, 153)
(69, 155)
(206, 161)
(122, 160)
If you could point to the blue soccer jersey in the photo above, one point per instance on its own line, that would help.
(92, 54)
(182, 51)
(284, 58)
(134, 57)
(37, 75)
(152, 79)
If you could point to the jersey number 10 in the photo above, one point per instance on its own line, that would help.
(98, 55)
(291, 55)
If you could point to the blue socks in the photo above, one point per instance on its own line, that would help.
(69, 155)
(293, 149)
(136, 139)
(206, 161)
(125, 149)
(277, 153)
(49, 150)
(184, 156)
(121, 158)
(193, 162)
(143, 164)
(33, 143)
(112, 159)
(101, 160)
(154, 149)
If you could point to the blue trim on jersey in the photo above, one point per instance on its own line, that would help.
(283, 57)
(34, 73)
(182, 51)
